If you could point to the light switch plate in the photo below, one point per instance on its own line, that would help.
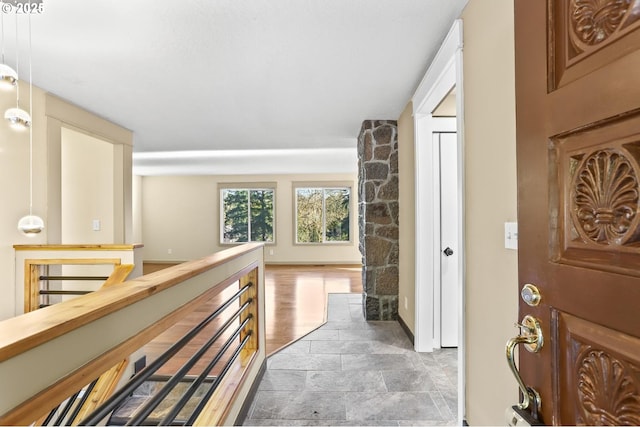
(511, 235)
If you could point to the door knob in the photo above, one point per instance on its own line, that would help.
(531, 336)
(448, 251)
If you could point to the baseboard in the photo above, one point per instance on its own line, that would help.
(246, 405)
(312, 264)
(266, 262)
(407, 331)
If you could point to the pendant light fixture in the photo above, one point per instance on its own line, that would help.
(8, 76)
(31, 224)
(17, 117)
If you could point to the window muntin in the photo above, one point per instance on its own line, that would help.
(322, 214)
(247, 215)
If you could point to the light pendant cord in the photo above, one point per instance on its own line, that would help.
(17, 67)
(30, 127)
(2, 30)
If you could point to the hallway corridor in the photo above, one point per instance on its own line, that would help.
(352, 372)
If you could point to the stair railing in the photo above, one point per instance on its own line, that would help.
(52, 354)
(48, 274)
(86, 400)
(38, 274)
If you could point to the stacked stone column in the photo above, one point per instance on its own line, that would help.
(378, 217)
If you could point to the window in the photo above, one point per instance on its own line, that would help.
(247, 215)
(322, 215)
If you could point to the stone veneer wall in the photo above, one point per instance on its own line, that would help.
(378, 217)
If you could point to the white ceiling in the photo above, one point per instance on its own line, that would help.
(234, 74)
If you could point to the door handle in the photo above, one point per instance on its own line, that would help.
(448, 251)
(531, 336)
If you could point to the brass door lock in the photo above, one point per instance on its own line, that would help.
(531, 336)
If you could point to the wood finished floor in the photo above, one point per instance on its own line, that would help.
(296, 298)
(295, 304)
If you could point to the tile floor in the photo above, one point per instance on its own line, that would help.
(352, 372)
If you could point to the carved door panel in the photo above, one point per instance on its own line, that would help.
(578, 151)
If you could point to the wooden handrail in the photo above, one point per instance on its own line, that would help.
(118, 275)
(32, 276)
(160, 299)
(33, 261)
(21, 333)
(74, 247)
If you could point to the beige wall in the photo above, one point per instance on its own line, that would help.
(85, 200)
(490, 200)
(136, 211)
(14, 187)
(406, 199)
(61, 115)
(182, 214)
(50, 115)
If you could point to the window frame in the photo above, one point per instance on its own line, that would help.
(324, 186)
(254, 186)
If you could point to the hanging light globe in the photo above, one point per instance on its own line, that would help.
(8, 77)
(31, 225)
(18, 118)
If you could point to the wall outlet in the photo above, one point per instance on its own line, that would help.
(169, 251)
(406, 303)
(95, 225)
(270, 251)
(140, 364)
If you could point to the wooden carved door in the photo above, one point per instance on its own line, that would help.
(578, 153)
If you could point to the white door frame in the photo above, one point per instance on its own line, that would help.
(444, 73)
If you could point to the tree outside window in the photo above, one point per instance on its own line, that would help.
(247, 215)
(322, 215)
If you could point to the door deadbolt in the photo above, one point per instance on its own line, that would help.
(530, 295)
(448, 251)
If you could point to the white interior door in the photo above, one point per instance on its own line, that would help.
(449, 250)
